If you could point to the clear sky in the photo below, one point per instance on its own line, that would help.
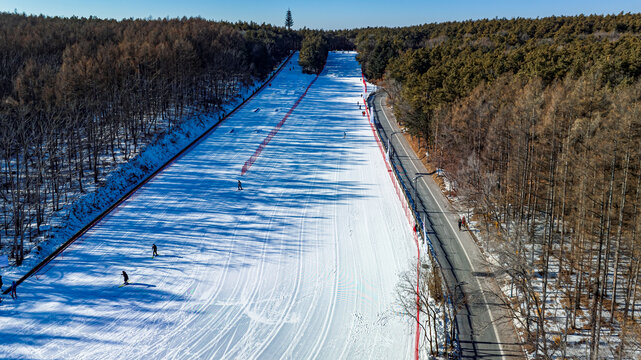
(326, 14)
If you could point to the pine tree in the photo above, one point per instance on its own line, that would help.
(289, 22)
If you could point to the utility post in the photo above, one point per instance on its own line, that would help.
(416, 176)
(389, 142)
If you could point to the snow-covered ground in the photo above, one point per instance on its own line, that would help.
(301, 264)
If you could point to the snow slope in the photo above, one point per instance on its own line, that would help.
(301, 264)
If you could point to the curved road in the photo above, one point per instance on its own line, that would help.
(486, 330)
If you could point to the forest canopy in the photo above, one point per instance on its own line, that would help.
(313, 53)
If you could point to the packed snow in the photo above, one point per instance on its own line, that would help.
(302, 263)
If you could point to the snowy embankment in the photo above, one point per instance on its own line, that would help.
(302, 263)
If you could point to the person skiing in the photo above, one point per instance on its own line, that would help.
(154, 250)
(463, 221)
(124, 275)
(459, 224)
(0, 282)
(240, 186)
(14, 295)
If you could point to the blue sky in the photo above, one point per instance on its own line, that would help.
(327, 14)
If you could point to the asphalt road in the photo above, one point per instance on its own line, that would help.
(486, 330)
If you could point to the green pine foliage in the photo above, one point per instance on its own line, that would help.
(289, 21)
(313, 53)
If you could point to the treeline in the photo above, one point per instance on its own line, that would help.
(313, 53)
(435, 64)
(80, 95)
(538, 123)
(318, 43)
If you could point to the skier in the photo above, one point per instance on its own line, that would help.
(459, 224)
(463, 221)
(154, 250)
(124, 275)
(240, 186)
(14, 295)
(0, 282)
(344, 134)
(359, 106)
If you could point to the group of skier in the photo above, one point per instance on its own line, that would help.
(13, 293)
(154, 253)
(461, 223)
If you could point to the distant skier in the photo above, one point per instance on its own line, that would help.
(14, 295)
(463, 221)
(359, 106)
(344, 134)
(240, 186)
(459, 224)
(125, 277)
(0, 282)
(154, 250)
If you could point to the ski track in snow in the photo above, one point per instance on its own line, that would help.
(302, 264)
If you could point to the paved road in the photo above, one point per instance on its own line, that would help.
(485, 329)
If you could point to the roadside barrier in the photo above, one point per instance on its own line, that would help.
(408, 215)
(412, 209)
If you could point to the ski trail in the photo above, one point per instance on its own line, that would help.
(293, 297)
(299, 265)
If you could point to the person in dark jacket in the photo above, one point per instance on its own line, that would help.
(14, 295)
(154, 250)
(240, 186)
(0, 282)
(124, 276)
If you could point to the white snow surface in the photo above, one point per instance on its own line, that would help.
(303, 263)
